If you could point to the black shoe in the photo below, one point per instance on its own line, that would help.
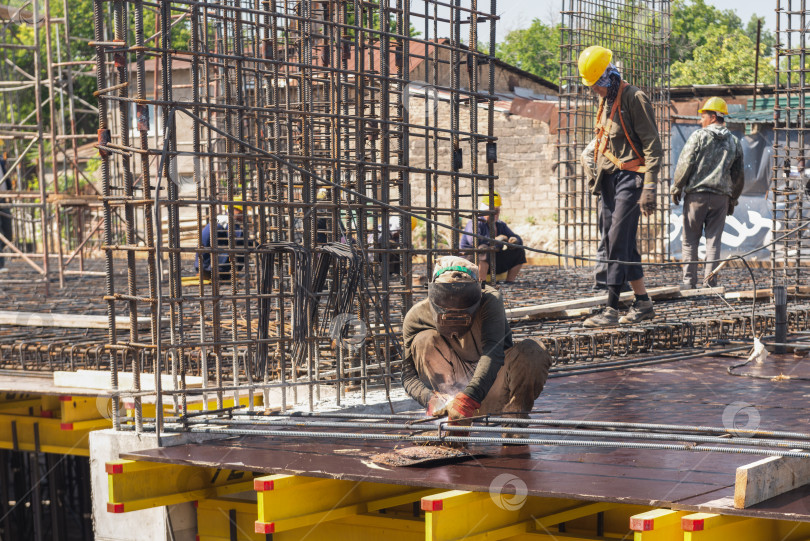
(599, 287)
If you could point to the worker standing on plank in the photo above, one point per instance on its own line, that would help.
(459, 355)
(710, 174)
(628, 157)
(509, 259)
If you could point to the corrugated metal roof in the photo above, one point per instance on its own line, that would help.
(769, 102)
(760, 116)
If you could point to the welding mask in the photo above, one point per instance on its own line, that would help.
(454, 305)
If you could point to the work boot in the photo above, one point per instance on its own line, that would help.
(606, 318)
(640, 311)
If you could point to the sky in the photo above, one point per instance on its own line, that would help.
(516, 14)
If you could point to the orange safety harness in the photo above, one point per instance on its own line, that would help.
(602, 135)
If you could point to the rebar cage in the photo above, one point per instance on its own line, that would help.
(638, 33)
(791, 145)
(284, 127)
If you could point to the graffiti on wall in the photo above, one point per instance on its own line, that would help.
(748, 229)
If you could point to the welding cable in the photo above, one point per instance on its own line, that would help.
(780, 377)
(561, 372)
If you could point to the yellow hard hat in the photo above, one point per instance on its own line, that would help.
(414, 221)
(322, 194)
(484, 201)
(715, 105)
(593, 62)
(238, 207)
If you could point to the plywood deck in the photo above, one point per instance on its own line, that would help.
(694, 392)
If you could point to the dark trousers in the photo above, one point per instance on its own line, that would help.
(620, 214)
(507, 259)
(6, 229)
(600, 276)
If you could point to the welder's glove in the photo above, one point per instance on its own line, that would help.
(647, 199)
(731, 204)
(461, 409)
(502, 238)
(438, 404)
(676, 195)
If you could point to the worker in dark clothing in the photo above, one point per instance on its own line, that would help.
(459, 354)
(6, 225)
(710, 174)
(509, 259)
(628, 156)
(588, 161)
(395, 241)
(203, 261)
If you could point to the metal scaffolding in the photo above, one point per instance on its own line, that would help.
(638, 35)
(301, 113)
(45, 191)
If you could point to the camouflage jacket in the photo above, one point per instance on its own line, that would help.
(711, 161)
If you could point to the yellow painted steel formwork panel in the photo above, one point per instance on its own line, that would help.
(288, 502)
(148, 409)
(84, 408)
(142, 485)
(54, 436)
(716, 527)
(476, 516)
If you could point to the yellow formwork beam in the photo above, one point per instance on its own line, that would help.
(376, 527)
(657, 525)
(84, 408)
(714, 527)
(148, 409)
(218, 517)
(142, 485)
(30, 406)
(289, 502)
(18, 432)
(479, 516)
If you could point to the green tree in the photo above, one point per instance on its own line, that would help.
(534, 49)
(692, 22)
(766, 38)
(724, 58)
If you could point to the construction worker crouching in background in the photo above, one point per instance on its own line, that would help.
(459, 355)
(509, 260)
(709, 177)
(628, 157)
(202, 262)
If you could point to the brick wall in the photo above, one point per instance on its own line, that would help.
(526, 153)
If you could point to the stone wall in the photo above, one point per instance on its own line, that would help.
(526, 152)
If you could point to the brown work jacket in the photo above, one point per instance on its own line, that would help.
(639, 119)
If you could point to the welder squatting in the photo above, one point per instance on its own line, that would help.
(460, 359)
